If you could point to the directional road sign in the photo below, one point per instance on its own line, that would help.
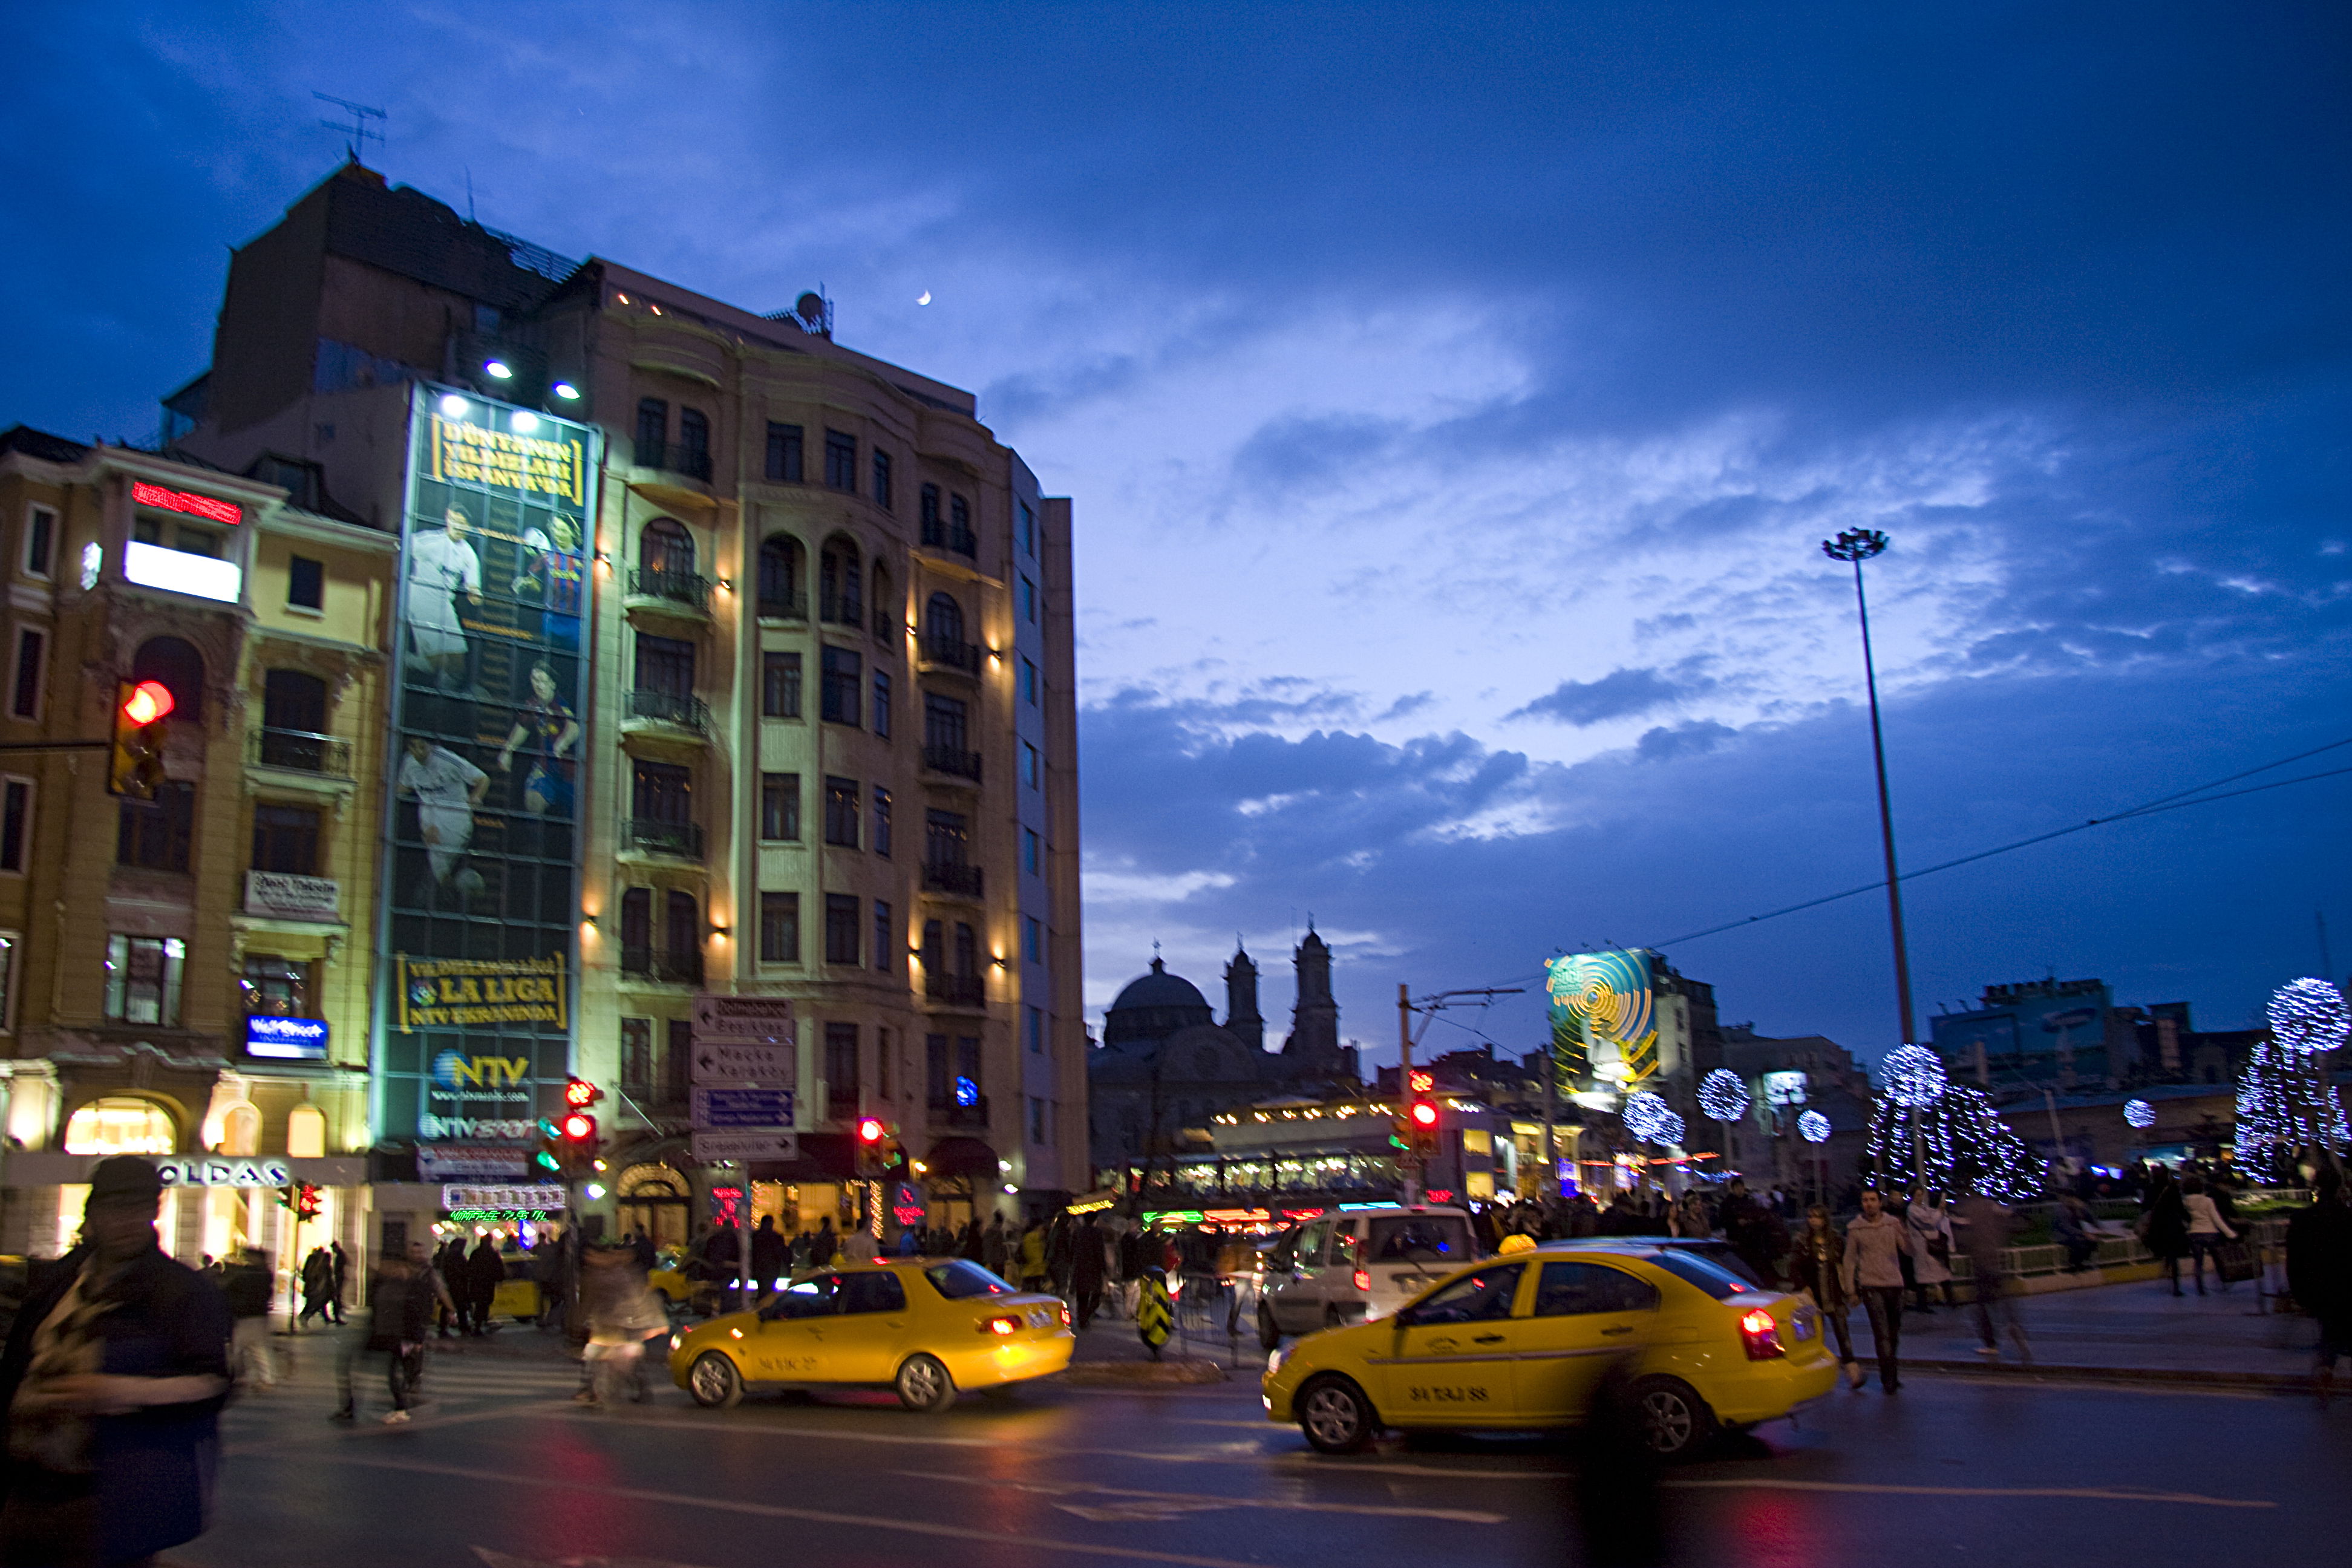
(722, 1061)
(753, 1144)
(743, 1108)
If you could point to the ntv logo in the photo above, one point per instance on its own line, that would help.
(456, 1074)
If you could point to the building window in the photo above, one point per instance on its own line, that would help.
(783, 453)
(889, 617)
(666, 551)
(1036, 1031)
(968, 1081)
(158, 835)
(935, 958)
(840, 689)
(779, 808)
(9, 942)
(40, 542)
(841, 811)
(1029, 683)
(945, 722)
(276, 987)
(881, 822)
(142, 979)
(841, 1070)
(886, 938)
(120, 1125)
(16, 825)
(306, 584)
(960, 538)
(652, 429)
(932, 532)
(637, 1057)
(1028, 601)
(967, 950)
(25, 687)
(1040, 1123)
(840, 461)
(881, 705)
(286, 838)
(783, 578)
(661, 795)
(693, 443)
(841, 598)
(882, 478)
(938, 1089)
(780, 685)
(841, 936)
(779, 928)
(1028, 531)
(1033, 940)
(1030, 849)
(1033, 766)
(946, 836)
(664, 668)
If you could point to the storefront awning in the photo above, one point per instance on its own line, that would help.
(960, 1157)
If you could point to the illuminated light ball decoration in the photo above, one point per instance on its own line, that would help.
(1723, 1096)
(1669, 1129)
(1957, 1124)
(2308, 1015)
(2140, 1113)
(1814, 1127)
(1643, 1114)
(1914, 1076)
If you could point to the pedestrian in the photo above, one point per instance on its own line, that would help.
(823, 1244)
(1871, 1273)
(1059, 1234)
(318, 1275)
(401, 1312)
(2072, 1226)
(2207, 1230)
(1087, 1272)
(1817, 1265)
(112, 1381)
(339, 1274)
(623, 1313)
(1927, 1232)
(1032, 1258)
(772, 1256)
(442, 1301)
(2163, 1223)
(448, 1265)
(2319, 1271)
(857, 1245)
(485, 1272)
(995, 1246)
(1985, 1223)
(246, 1286)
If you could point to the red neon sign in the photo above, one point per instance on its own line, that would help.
(205, 507)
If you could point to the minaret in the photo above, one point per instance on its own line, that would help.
(1240, 1000)
(1315, 1021)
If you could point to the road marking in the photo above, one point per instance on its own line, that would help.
(370, 1426)
(1204, 1454)
(864, 1523)
(2058, 1381)
(2095, 1494)
(1193, 1502)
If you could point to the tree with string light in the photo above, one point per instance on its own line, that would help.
(1924, 1125)
(2287, 1105)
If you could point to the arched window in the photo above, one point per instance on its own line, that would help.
(665, 546)
(240, 1130)
(885, 613)
(293, 720)
(179, 666)
(943, 619)
(121, 1125)
(306, 1133)
(840, 588)
(784, 577)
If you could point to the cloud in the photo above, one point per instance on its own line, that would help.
(1664, 744)
(1620, 694)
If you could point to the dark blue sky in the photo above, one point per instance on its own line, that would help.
(1452, 404)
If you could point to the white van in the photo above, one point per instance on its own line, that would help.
(1357, 1263)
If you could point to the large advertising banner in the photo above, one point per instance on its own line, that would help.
(1604, 1017)
(481, 879)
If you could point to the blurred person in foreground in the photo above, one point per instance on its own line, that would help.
(113, 1380)
(1618, 1514)
(400, 1314)
(1987, 1222)
(2319, 1271)
(623, 1313)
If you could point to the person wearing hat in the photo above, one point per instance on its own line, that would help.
(112, 1382)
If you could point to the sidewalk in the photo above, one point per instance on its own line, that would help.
(2137, 1331)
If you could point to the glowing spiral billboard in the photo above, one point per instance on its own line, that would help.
(1604, 1016)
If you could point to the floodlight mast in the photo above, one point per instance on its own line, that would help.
(1855, 546)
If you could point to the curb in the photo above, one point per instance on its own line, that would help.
(1181, 1372)
(2299, 1383)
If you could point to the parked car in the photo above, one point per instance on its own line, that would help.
(1355, 1264)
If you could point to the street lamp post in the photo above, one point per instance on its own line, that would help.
(1857, 545)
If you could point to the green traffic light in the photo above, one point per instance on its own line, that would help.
(547, 1161)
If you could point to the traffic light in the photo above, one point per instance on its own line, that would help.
(579, 1130)
(306, 1201)
(1423, 1131)
(580, 1094)
(139, 710)
(549, 1161)
(870, 1133)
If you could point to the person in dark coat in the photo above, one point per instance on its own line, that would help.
(112, 1382)
(772, 1254)
(450, 1264)
(826, 1243)
(1087, 1272)
(485, 1272)
(2163, 1223)
(2319, 1271)
(339, 1276)
(318, 1278)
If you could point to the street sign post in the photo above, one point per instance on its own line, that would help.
(741, 1042)
(750, 1143)
(768, 1018)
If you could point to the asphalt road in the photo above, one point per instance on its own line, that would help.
(504, 1470)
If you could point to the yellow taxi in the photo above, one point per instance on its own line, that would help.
(1521, 1343)
(927, 1327)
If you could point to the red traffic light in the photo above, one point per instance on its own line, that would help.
(1424, 1113)
(147, 701)
(869, 1129)
(1422, 1082)
(579, 1091)
(579, 1127)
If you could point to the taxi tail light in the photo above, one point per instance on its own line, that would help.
(1760, 1335)
(1066, 1314)
(1001, 1326)
(1363, 1279)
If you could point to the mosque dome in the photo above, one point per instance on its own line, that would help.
(1154, 1007)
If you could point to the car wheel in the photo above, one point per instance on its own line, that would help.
(1269, 1333)
(924, 1386)
(1335, 1417)
(1674, 1420)
(714, 1382)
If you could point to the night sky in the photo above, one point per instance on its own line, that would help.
(1453, 399)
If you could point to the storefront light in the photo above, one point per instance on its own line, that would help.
(498, 370)
(453, 406)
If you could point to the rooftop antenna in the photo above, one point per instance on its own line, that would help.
(355, 134)
(469, 195)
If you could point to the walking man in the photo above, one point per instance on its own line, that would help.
(1872, 1272)
(247, 1287)
(1985, 1239)
(1087, 1272)
(2319, 1271)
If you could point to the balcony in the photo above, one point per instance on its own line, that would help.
(778, 606)
(973, 1118)
(939, 535)
(675, 457)
(953, 761)
(680, 594)
(667, 709)
(662, 965)
(647, 836)
(951, 877)
(937, 653)
(955, 990)
(301, 752)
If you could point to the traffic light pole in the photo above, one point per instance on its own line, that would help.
(1408, 1161)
